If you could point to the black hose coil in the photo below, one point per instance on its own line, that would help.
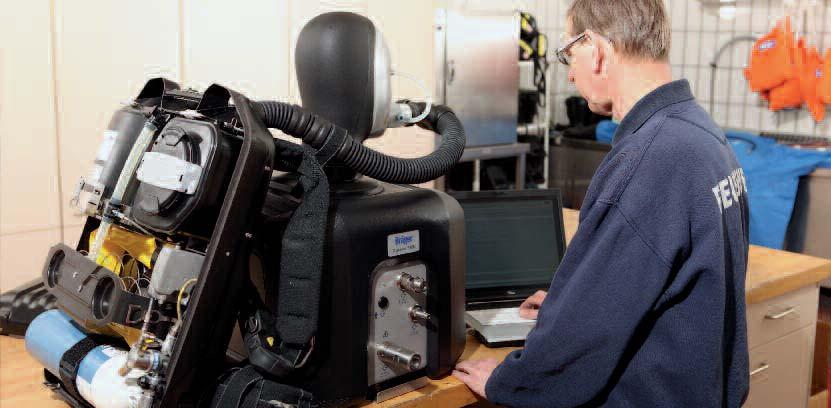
(319, 133)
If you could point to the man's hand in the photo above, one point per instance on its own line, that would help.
(531, 306)
(475, 374)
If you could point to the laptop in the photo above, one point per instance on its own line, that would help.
(515, 241)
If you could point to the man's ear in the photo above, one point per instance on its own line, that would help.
(601, 52)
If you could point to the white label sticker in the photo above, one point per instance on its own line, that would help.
(403, 243)
(106, 146)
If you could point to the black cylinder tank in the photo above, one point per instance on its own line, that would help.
(125, 127)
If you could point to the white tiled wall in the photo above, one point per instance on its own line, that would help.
(104, 52)
(66, 65)
(30, 219)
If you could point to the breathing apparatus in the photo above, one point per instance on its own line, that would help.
(345, 284)
(533, 46)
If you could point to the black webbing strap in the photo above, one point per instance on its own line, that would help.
(274, 395)
(279, 342)
(71, 360)
(246, 388)
(233, 392)
(337, 138)
(301, 257)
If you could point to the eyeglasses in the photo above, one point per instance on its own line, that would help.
(562, 52)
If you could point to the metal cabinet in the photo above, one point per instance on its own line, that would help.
(809, 231)
(477, 72)
(780, 334)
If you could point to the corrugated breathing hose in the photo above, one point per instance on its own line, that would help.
(336, 141)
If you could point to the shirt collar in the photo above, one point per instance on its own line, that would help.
(661, 97)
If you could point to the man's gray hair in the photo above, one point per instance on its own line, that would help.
(637, 28)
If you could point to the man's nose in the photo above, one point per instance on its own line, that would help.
(571, 74)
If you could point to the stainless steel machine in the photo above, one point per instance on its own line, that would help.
(477, 72)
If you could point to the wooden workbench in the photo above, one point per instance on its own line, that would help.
(770, 273)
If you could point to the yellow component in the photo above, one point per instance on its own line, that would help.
(129, 334)
(120, 242)
(527, 50)
(525, 25)
(270, 341)
(181, 294)
(542, 45)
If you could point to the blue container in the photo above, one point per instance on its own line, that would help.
(50, 335)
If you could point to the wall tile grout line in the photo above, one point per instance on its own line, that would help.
(33, 230)
(53, 40)
(182, 32)
(744, 95)
(700, 53)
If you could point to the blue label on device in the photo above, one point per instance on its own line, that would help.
(403, 243)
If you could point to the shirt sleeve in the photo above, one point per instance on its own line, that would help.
(601, 296)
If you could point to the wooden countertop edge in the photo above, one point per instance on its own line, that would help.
(822, 171)
(771, 288)
(444, 392)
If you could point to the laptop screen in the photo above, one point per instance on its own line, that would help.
(514, 239)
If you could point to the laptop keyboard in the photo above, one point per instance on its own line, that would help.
(498, 316)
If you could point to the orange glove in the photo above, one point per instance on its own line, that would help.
(809, 64)
(824, 85)
(771, 60)
(789, 94)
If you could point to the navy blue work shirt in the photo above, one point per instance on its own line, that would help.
(647, 308)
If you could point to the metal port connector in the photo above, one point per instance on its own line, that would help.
(395, 356)
(412, 284)
(144, 360)
(417, 313)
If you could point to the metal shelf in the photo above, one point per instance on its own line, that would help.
(479, 153)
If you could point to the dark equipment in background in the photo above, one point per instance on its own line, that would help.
(572, 165)
(533, 46)
(346, 283)
(574, 146)
(582, 122)
(19, 306)
(575, 153)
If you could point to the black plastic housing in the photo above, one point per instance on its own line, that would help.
(90, 293)
(171, 211)
(198, 356)
(335, 62)
(360, 221)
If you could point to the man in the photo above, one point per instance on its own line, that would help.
(647, 308)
